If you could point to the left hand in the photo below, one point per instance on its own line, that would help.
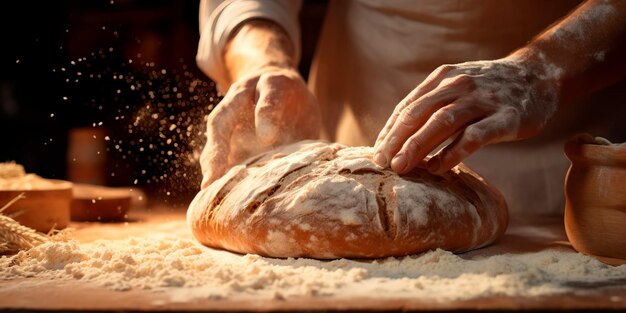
(269, 107)
(484, 102)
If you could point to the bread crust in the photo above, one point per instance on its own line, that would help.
(325, 200)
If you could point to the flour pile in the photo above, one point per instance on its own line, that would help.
(183, 270)
(14, 177)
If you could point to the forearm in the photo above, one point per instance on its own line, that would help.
(585, 51)
(266, 101)
(257, 44)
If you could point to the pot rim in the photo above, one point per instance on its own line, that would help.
(578, 150)
(57, 185)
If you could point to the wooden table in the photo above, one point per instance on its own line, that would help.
(525, 234)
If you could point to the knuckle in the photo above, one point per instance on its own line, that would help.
(463, 80)
(474, 135)
(394, 117)
(236, 94)
(444, 118)
(380, 138)
(446, 68)
(408, 117)
(412, 96)
(410, 114)
(241, 86)
(440, 72)
(280, 79)
(276, 78)
(414, 145)
(454, 157)
(398, 109)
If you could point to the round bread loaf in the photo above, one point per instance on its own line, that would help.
(325, 200)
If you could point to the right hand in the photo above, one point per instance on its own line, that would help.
(269, 107)
(472, 104)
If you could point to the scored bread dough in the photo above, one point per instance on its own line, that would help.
(325, 200)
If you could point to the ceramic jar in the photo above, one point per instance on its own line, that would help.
(595, 199)
(42, 209)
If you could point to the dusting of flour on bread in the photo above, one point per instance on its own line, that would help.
(345, 200)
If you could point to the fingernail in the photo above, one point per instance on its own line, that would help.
(433, 164)
(380, 159)
(399, 162)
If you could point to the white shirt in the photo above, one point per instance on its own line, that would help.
(371, 53)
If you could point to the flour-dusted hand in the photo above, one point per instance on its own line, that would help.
(480, 103)
(265, 109)
(485, 102)
(267, 103)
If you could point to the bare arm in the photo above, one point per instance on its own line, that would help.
(267, 102)
(255, 45)
(485, 102)
(588, 47)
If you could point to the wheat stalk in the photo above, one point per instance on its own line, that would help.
(10, 203)
(15, 236)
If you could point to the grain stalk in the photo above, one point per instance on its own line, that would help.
(15, 236)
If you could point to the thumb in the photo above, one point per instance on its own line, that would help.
(221, 125)
(213, 167)
(214, 157)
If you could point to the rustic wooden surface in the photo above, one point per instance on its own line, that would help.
(525, 234)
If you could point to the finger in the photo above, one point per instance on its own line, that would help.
(427, 85)
(415, 116)
(495, 128)
(275, 94)
(222, 123)
(212, 164)
(303, 116)
(441, 126)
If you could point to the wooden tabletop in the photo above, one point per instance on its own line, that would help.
(525, 234)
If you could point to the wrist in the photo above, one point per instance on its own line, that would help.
(541, 70)
(257, 68)
(539, 64)
(258, 45)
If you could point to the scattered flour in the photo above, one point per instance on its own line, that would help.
(599, 56)
(183, 270)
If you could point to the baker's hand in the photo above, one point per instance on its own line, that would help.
(267, 108)
(480, 103)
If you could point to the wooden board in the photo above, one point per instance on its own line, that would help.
(526, 234)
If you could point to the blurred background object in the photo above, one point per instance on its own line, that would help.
(595, 202)
(86, 160)
(108, 92)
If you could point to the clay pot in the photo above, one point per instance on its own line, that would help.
(41, 209)
(100, 204)
(595, 199)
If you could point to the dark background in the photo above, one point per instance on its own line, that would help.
(75, 71)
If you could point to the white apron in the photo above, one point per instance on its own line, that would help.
(371, 53)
